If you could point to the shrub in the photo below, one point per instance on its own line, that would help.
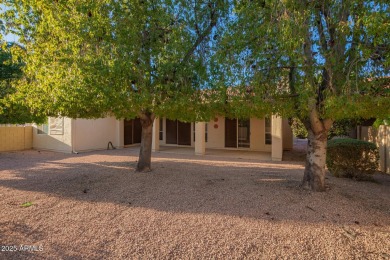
(352, 158)
(342, 127)
(339, 128)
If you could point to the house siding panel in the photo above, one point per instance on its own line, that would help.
(216, 133)
(59, 143)
(94, 134)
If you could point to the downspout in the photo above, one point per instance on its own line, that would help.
(72, 135)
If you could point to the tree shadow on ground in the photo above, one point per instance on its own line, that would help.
(190, 184)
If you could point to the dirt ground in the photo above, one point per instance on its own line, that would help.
(94, 206)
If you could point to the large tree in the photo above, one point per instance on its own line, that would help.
(319, 61)
(12, 108)
(128, 58)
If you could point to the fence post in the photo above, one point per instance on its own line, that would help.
(15, 138)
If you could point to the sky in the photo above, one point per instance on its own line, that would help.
(8, 37)
(11, 38)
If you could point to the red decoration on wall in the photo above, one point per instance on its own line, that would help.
(215, 125)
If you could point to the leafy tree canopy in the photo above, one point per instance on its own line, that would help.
(299, 56)
(12, 107)
(90, 59)
(87, 59)
(319, 61)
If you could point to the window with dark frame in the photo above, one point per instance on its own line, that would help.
(243, 133)
(268, 129)
(194, 131)
(161, 129)
(205, 133)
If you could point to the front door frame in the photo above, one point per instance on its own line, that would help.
(174, 135)
(134, 133)
(235, 144)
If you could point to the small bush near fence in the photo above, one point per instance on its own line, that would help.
(352, 158)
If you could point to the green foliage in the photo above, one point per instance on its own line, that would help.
(330, 57)
(298, 128)
(93, 58)
(88, 59)
(352, 158)
(339, 128)
(26, 204)
(381, 121)
(13, 109)
(342, 127)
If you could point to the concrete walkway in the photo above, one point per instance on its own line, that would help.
(229, 153)
(297, 154)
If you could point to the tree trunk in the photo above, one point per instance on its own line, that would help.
(314, 175)
(145, 152)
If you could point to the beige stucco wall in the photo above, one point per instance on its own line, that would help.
(277, 138)
(94, 134)
(15, 138)
(216, 136)
(200, 134)
(163, 141)
(120, 138)
(54, 142)
(258, 135)
(381, 137)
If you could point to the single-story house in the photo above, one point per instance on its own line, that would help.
(272, 135)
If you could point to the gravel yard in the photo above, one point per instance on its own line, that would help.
(93, 205)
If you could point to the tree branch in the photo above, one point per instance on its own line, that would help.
(321, 32)
(327, 123)
(315, 121)
(200, 38)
